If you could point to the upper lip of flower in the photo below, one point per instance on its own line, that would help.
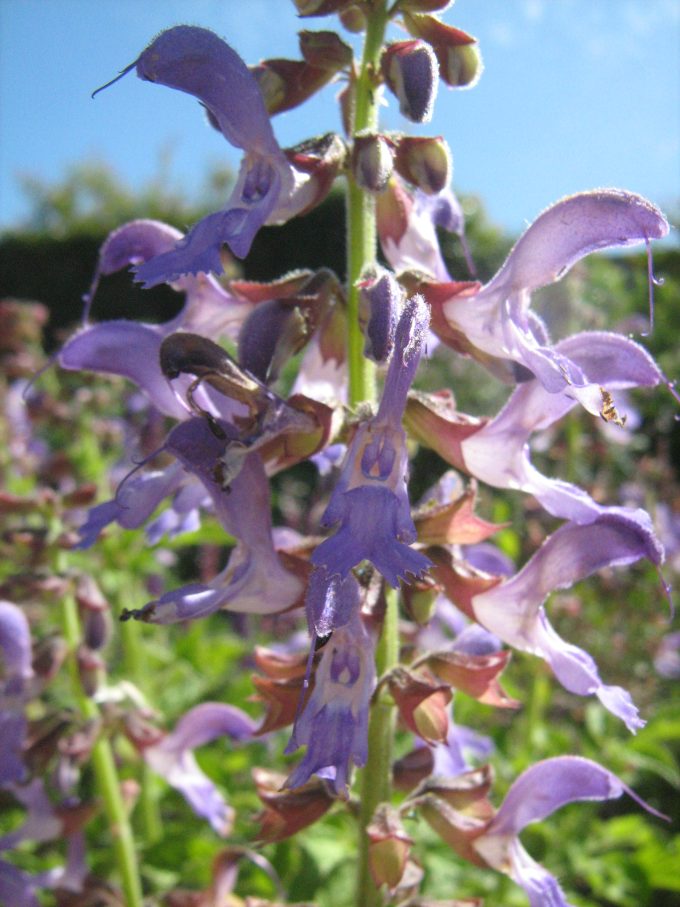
(497, 319)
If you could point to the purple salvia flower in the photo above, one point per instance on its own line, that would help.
(331, 601)
(538, 792)
(513, 610)
(321, 378)
(128, 349)
(17, 887)
(173, 758)
(334, 721)
(370, 502)
(208, 307)
(413, 245)
(198, 62)
(131, 349)
(135, 501)
(463, 747)
(497, 320)
(41, 822)
(499, 453)
(254, 579)
(15, 643)
(667, 657)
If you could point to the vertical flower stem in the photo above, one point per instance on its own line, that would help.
(103, 763)
(151, 826)
(376, 780)
(361, 225)
(361, 253)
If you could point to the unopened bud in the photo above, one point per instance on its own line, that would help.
(460, 62)
(424, 162)
(463, 66)
(353, 18)
(411, 71)
(372, 161)
(380, 302)
(90, 669)
(419, 601)
(48, 656)
(96, 629)
(388, 848)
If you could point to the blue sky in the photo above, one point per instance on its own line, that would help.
(575, 94)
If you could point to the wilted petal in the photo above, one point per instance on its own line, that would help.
(513, 610)
(173, 757)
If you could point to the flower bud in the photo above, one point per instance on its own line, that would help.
(419, 601)
(372, 161)
(388, 848)
(353, 18)
(460, 63)
(380, 302)
(424, 162)
(48, 656)
(411, 72)
(90, 669)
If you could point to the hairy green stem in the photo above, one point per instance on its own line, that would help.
(361, 225)
(376, 780)
(104, 766)
(361, 253)
(151, 826)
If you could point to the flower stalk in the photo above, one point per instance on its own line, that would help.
(361, 250)
(104, 767)
(361, 222)
(376, 780)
